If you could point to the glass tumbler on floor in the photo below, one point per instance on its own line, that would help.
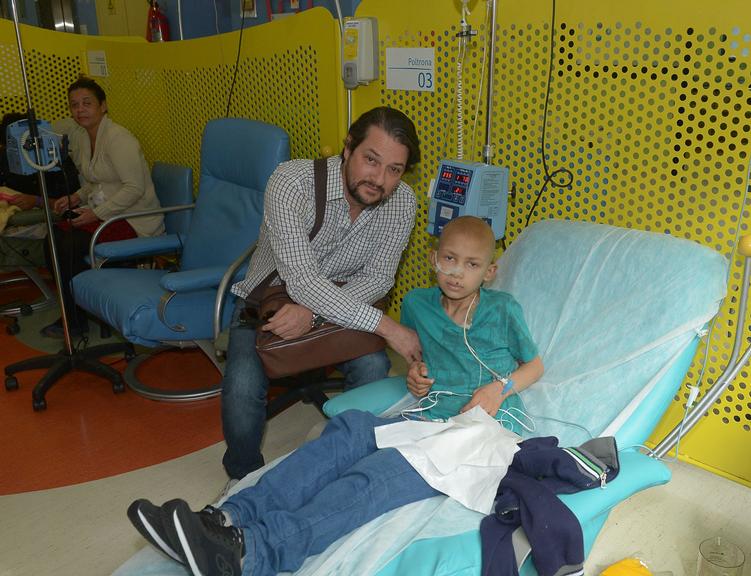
(719, 557)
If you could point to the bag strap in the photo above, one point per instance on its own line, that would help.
(320, 179)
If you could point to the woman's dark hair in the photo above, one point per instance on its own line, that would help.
(88, 84)
(395, 123)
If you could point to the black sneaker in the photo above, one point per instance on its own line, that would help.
(149, 520)
(207, 547)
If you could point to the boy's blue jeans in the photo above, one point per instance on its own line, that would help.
(320, 492)
(244, 388)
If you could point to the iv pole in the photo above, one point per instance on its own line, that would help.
(67, 359)
(34, 138)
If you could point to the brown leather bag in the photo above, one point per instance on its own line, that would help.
(325, 345)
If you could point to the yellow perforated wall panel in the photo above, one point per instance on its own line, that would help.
(650, 111)
(49, 72)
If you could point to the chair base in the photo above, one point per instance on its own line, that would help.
(61, 363)
(310, 387)
(48, 300)
(162, 394)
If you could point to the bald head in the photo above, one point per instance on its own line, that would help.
(473, 229)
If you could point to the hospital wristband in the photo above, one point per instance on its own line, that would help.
(508, 384)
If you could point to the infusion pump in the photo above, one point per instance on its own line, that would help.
(21, 153)
(468, 189)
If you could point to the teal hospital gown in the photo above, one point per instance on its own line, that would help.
(498, 334)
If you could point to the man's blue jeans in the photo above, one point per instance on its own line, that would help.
(320, 492)
(244, 390)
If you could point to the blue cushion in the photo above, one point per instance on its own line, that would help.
(174, 187)
(128, 299)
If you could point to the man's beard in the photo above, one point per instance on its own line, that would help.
(353, 189)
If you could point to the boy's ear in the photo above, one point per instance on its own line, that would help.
(490, 272)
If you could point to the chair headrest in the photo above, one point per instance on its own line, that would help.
(230, 146)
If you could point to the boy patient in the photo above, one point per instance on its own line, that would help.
(476, 345)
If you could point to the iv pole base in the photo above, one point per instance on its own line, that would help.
(61, 363)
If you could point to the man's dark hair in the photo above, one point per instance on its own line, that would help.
(394, 122)
(88, 84)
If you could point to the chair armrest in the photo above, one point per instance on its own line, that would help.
(103, 225)
(192, 280)
(144, 246)
(237, 268)
(30, 217)
(638, 472)
(374, 397)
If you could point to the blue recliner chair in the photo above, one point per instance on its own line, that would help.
(158, 307)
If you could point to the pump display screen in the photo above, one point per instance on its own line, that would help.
(453, 183)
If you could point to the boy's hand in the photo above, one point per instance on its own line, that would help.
(489, 397)
(418, 382)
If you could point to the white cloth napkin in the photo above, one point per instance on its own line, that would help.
(465, 457)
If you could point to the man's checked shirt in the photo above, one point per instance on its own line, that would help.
(364, 253)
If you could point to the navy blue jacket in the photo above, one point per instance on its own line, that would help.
(527, 497)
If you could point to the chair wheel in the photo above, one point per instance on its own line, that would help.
(129, 355)
(13, 329)
(118, 387)
(11, 383)
(39, 405)
(26, 310)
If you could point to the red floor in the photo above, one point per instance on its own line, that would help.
(88, 432)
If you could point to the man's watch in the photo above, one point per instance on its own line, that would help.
(317, 321)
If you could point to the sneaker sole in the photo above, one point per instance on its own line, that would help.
(145, 528)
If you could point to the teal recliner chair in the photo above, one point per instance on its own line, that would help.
(617, 315)
(154, 308)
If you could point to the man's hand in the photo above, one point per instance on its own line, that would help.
(489, 397)
(418, 382)
(290, 321)
(402, 339)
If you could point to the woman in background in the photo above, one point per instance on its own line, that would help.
(115, 179)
